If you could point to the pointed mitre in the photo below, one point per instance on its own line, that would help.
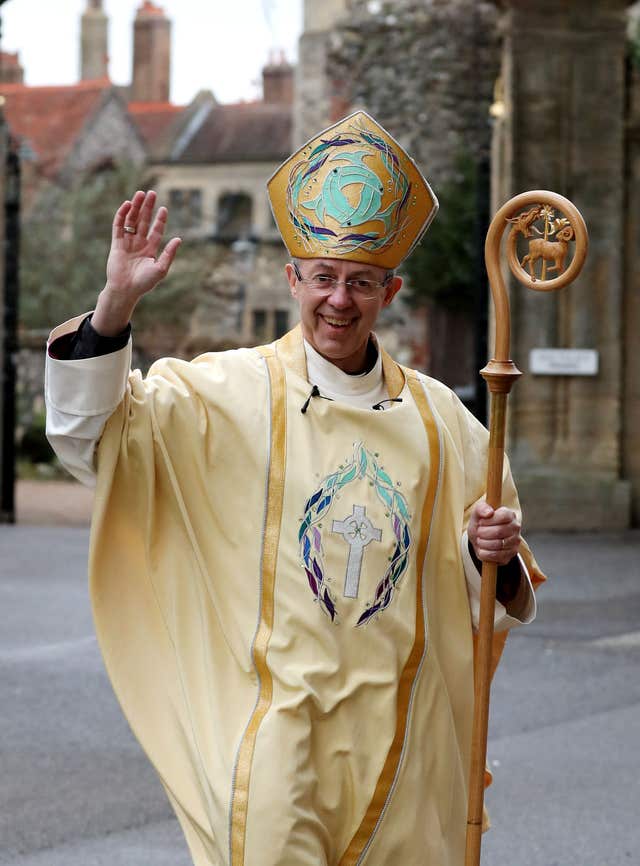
(353, 193)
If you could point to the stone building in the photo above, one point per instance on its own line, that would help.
(68, 130)
(208, 162)
(213, 177)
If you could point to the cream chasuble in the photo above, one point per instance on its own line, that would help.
(281, 605)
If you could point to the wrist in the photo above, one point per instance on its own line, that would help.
(112, 313)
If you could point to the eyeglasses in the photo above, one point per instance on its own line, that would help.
(365, 290)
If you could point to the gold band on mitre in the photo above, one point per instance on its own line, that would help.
(352, 193)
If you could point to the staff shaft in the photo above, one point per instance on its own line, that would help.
(497, 427)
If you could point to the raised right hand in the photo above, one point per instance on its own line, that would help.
(134, 266)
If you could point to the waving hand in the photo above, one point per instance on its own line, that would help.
(135, 265)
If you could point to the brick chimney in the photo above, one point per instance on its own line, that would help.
(11, 71)
(277, 80)
(151, 54)
(94, 50)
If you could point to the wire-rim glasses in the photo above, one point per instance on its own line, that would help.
(364, 290)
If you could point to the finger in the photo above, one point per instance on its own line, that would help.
(157, 231)
(499, 520)
(165, 260)
(146, 212)
(117, 230)
(509, 542)
(501, 557)
(504, 514)
(134, 213)
(483, 510)
(493, 532)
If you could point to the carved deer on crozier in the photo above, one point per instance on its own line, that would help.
(551, 251)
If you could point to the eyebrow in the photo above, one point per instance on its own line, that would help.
(319, 266)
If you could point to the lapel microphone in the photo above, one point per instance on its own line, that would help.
(380, 405)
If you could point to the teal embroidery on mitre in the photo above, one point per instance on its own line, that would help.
(363, 465)
(333, 202)
(328, 218)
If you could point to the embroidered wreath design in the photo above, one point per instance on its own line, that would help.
(348, 153)
(364, 464)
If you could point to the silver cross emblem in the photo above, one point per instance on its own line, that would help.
(358, 531)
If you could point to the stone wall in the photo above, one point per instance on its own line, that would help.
(238, 304)
(563, 128)
(109, 137)
(426, 70)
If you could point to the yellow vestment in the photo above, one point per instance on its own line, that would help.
(281, 605)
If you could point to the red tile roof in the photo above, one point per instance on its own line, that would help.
(50, 119)
(241, 132)
(149, 8)
(153, 119)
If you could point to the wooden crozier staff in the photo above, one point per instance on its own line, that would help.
(549, 245)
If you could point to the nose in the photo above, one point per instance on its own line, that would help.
(340, 297)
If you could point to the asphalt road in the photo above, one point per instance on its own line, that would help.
(76, 790)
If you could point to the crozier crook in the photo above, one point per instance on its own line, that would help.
(500, 375)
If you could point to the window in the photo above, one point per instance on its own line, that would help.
(259, 324)
(234, 216)
(185, 208)
(281, 322)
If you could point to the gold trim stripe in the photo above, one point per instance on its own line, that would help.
(393, 376)
(410, 671)
(273, 518)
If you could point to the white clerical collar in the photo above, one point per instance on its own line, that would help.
(334, 382)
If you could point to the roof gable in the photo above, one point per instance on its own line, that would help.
(242, 132)
(50, 119)
(154, 119)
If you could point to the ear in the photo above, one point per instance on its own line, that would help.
(392, 288)
(291, 279)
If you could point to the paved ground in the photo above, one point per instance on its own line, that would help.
(76, 790)
(53, 503)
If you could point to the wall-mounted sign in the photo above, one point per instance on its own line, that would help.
(563, 362)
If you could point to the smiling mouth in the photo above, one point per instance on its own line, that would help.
(337, 323)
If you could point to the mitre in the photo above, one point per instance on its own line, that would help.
(352, 192)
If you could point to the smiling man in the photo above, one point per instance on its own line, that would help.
(285, 542)
(339, 306)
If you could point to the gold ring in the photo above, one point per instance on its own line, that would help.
(503, 545)
(131, 229)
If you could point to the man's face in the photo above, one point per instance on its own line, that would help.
(337, 320)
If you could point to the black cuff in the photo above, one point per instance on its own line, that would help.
(86, 342)
(508, 578)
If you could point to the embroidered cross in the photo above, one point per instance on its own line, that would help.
(358, 531)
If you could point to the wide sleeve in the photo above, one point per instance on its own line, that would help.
(80, 396)
(521, 610)
(472, 440)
